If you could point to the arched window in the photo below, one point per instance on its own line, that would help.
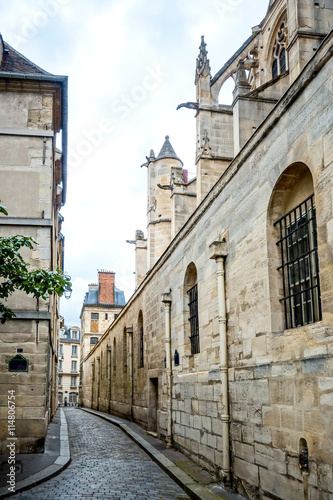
(293, 216)
(191, 289)
(279, 64)
(114, 357)
(72, 398)
(125, 351)
(141, 345)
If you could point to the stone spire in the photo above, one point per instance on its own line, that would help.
(203, 68)
(167, 151)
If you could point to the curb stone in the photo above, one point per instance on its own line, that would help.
(60, 463)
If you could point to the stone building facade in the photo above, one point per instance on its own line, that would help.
(33, 110)
(69, 365)
(225, 349)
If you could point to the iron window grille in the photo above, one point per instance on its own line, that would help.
(94, 316)
(299, 265)
(194, 319)
(141, 360)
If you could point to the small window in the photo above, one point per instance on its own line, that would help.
(299, 265)
(72, 397)
(61, 349)
(74, 334)
(93, 340)
(194, 319)
(106, 316)
(60, 382)
(74, 350)
(60, 365)
(95, 316)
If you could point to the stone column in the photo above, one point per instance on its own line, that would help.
(109, 376)
(166, 299)
(218, 252)
(130, 370)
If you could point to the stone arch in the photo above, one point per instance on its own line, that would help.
(114, 360)
(294, 188)
(225, 95)
(191, 344)
(140, 340)
(125, 351)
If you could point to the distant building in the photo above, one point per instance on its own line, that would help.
(69, 364)
(102, 304)
(33, 173)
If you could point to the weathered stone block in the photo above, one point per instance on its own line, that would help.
(279, 485)
(247, 471)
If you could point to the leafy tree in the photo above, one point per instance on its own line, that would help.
(15, 275)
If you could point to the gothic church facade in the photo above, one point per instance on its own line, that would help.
(225, 348)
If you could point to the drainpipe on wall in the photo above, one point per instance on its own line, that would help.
(166, 299)
(130, 349)
(218, 252)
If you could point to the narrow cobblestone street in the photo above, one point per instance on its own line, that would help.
(106, 464)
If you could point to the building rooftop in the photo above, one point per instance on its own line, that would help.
(91, 298)
(14, 62)
(167, 151)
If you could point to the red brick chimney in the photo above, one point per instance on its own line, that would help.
(106, 287)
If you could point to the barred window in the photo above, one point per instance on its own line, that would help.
(94, 316)
(141, 360)
(299, 265)
(93, 340)
(194, 319)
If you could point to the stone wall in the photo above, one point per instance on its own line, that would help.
(279, 380)
(29, 120)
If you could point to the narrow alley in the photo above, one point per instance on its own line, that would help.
(106, 464)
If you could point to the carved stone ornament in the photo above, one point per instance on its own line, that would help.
(203, 68)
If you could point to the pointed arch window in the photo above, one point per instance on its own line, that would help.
(192, 310)
(279, 64)
(141, 343)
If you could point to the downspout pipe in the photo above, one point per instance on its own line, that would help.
(218, 252)
(166, 299)
(130, 348)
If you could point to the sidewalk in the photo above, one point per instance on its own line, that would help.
(34, 468)
(196, 482)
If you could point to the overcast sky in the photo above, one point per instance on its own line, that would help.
(129, 63)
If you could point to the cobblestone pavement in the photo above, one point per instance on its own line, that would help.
(106, 464)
